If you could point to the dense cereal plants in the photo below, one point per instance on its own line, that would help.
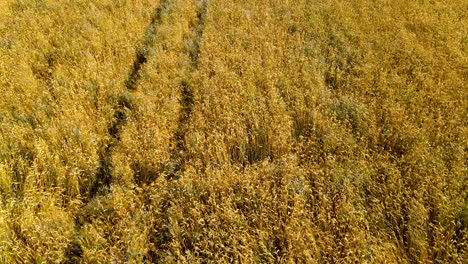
(233, 131)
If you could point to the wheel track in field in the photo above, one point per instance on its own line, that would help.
(105, 167)
(104, 172)
(161, 236)
(178, 154)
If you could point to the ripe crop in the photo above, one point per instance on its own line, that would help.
(233, 131)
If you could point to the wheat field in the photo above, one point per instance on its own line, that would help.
(233, 131)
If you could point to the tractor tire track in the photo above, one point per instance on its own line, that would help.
(161, 237)
(104, 171)
(192, 48)
(148, 42)
(105, 167)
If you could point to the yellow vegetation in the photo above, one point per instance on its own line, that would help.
(229, 131)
